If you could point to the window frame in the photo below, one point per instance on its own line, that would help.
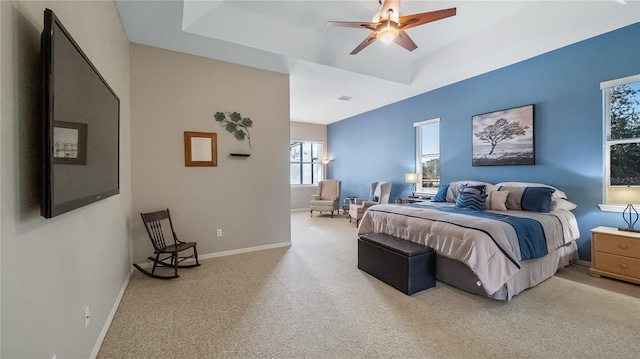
(321, 166)
(608, 142)
(419, 155)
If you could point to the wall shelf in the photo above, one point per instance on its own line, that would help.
(240, 154)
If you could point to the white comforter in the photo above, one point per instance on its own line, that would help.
(475, 248)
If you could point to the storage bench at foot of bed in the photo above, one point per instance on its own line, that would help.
(407, 266)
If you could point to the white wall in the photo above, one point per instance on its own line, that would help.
(245, 197)
(300, 131)
(52, 269)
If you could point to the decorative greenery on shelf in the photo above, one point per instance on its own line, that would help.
(235, 124)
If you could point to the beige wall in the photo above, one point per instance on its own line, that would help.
(300, 131)
(309, 132)
(1, 116)
(52, 269)
(245, 197)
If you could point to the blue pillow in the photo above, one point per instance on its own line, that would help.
(441, 196)
(373, 198)
(536, 199)
(471, 200)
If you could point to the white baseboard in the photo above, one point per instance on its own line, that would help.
(112, 314)
(299, 209)
(244, 250)
(580, 262)
(147, 265)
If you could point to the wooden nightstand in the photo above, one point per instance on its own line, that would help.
(615, 254)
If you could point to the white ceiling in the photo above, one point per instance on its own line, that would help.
(291, 37)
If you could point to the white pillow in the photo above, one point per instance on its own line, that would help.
(496, 200)
(557, 194)
(560, 203)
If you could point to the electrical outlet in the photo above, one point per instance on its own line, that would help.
(219, 232)
(86, 316)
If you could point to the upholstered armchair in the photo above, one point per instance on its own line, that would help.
(380, 192)
(328, 197)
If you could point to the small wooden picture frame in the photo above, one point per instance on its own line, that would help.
(69, 143)
(200, 149)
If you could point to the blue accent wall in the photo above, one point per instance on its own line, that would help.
(564, 86)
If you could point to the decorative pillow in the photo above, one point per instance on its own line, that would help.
(496, 200)
(478, 189)
(373, 198)
(535, 199)
(471, 200)
(557, 194)
(441, 196)
(454, 188)
(559, 203)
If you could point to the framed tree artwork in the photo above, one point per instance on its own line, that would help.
(504, 138)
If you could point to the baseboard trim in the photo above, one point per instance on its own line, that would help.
(299, 209)
(245, 250)
(148, 265)
(112, 314)
(580, 262)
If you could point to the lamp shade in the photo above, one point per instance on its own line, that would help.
(628, 195)
(410, 178)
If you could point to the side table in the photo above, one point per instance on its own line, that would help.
(345, 204)
(615, 254)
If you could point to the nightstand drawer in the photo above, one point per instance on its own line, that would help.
(617, 264)
(628, 247)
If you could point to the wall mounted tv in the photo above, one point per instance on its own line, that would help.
(81, 120)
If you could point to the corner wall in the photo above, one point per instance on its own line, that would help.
(53, 268)
(245, 197)
(564, 86)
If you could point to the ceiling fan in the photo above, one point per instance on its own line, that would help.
(388, 25)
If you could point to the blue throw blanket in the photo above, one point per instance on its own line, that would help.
(531, 237)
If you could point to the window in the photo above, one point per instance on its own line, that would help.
(622, 138)
(428, 154)
(306, 165)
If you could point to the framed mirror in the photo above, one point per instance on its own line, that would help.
(200, 149)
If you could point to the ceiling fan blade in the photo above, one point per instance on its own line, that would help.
(405, 41)
(368, 41)
(409, 21)
(394, 6)
(358, 25)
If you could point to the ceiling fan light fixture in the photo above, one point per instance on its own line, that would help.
(387, 35)
(388, 26)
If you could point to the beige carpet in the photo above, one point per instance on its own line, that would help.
(310, 301)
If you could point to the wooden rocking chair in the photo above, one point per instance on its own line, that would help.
(152, 222)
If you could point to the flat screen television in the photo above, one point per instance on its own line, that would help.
(81, 125)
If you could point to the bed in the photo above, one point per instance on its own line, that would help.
(498, 251)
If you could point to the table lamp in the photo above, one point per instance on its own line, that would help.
(413, 179)
(630, 214)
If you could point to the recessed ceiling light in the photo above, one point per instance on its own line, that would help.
(344, 98)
